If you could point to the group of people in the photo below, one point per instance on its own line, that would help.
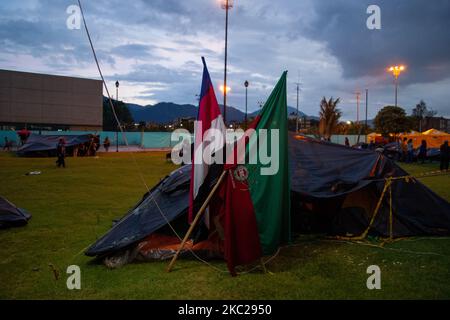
(88, 148)
(407, 153)
(23, 136)
(91, 147)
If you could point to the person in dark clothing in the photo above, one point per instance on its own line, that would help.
(404, 149)
(445, 156)
(410, 151)
(423, 151)
(7, 145)
(106, 144)
(61, 153)
(347, 142)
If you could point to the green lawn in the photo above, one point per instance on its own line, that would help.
(72, 207)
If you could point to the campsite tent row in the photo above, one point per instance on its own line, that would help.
(433, 137)
(334, 189)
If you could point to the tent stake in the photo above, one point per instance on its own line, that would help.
(196, 220)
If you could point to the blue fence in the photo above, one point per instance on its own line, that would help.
(148, 140)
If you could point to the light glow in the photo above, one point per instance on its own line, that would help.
(222, 88)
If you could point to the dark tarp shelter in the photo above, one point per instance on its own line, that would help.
(334, 189)
(11, 216)
(46, 144)
(340, 188)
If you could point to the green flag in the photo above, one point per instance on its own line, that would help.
(270, 193)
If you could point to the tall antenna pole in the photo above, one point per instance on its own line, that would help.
(227, 4)
(367, 107)
(358, 95)
(298, 92)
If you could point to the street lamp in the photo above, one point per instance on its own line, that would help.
(246, 99)
(117, 128)
(226, 5)
(222, 88)
(396, 70)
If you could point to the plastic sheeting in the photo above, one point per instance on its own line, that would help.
(11, 216)
(321, 173)
(37, 143)
(165, 202)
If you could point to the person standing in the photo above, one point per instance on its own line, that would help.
(410, 150)
(404, 149)
(7, 145)
(106, 144)
(423, 151)
(445, 156)
(61, 153)
(347, 142)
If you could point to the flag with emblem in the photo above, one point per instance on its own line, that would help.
(256, 206)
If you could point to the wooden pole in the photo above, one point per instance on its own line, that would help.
(196, 220)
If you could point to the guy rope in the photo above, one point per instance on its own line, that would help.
(388, 189)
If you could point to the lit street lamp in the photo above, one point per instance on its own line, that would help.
(396, 70)
(246, 99)
(222, 88)
(226, 5)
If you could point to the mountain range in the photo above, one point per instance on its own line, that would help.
(167, 112)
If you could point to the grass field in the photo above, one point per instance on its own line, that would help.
(72, 207)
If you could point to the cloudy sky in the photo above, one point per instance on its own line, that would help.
(154, 48)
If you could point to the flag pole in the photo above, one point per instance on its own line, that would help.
(196, 220)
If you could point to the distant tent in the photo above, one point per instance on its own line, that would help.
(46, 144)
(375, 138)
(433, 137)
(11, 216)
(334, 189)
(434, 132)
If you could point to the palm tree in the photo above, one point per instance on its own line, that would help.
(329, 117)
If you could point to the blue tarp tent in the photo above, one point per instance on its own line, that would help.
(46, 145)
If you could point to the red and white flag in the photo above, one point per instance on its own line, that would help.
(209, 117)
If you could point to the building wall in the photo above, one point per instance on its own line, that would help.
(39, 99)
(438, 123)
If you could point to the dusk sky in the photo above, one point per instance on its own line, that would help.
(154, 48)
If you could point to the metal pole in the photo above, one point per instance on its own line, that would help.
(357, 107)
(117, 127)
(396, 89)
(246, 99)
(225, 69)
(367, 107)
(296, 126)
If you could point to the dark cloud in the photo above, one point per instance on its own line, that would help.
(414, 32)
(154, 47)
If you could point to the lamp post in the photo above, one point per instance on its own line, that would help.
(246, 100)
(226, 5)
(117, 128)
(396, 70)
(367, 107)
(298, 92)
